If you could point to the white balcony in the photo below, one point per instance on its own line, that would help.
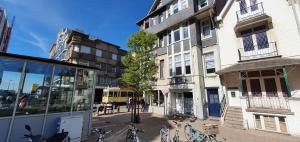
(250, 12)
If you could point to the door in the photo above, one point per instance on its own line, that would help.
(188, 103)
(213, 102)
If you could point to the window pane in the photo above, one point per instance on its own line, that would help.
(84, 90)
(10, 76)
(243, 6)
(185, 32)
(187, 69)
(161, 99)
(255, 87)
(245, 90)
(254, 5)
(34, 94)
(154, 98)
(202, 3)
(161, 69)
(175, 8)
(178, 70)
(248, 43)
(85, 49)
(114, 57)
(98, 53)
(209, 63)
(62, 89)
(176, 35)
(270, 86)
(206, 29)
(169, 38)
(262, 40)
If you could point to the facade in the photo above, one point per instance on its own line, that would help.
(5, 31)
(39, 92)
(185, 29)
(75, 47)
(260, 64)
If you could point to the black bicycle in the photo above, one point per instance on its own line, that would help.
(132, 134)
(101, 134)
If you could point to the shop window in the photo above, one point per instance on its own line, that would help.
(10, 76)
(62, 89)
(83, 91)
(34, 94)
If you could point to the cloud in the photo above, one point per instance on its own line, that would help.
(36, 40)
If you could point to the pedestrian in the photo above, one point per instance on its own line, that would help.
(129, 104)
(143, 104)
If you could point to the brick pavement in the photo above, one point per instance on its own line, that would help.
(152, 123)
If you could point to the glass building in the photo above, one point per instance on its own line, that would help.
(38, 91)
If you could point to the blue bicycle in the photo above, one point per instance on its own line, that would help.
(194, 135)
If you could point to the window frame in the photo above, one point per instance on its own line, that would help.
(202, 29)
(212, 59)
(82, 49)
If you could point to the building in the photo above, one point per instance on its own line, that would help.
(64, 90)
(76, 47)
(5, 31)
(260, 64)
(186, 54)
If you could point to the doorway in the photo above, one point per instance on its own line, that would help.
(213, 102)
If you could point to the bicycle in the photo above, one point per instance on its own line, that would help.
(59, 137)
(176, 136)
(132, 133)
(164, 134)
(101, 134)
(194, 135)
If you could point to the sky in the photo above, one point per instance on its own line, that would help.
(38, 21)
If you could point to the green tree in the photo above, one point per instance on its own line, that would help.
(140, 66)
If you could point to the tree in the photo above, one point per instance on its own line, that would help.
(140, 66)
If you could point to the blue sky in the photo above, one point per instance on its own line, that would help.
(38, 21)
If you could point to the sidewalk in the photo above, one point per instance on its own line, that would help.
(152, 123)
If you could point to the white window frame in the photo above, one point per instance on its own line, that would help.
(179, 62)
(202, 29)
(185, 26)
(170, 67)
(187, 60)
(205, 62)
(179, 35)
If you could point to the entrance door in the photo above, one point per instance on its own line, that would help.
(188, 103)
(213, 102)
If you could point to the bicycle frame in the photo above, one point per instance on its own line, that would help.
(194, 135)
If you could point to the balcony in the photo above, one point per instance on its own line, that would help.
(268, 104)
(251, 12)
(258, 51)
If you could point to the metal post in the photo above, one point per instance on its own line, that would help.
(48, 100)
(16, 103)
(74, 88)
(286, 80)
(241, 82)
(92, 103)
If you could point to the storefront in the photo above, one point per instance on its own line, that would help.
(38, 92)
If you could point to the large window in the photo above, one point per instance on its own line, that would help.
(161, 69)
(209, 63)
(34, 94)
(62, 89)
(178, 69)
(10, 76)
(85, 49)
(99, 53)
(255, 39)
(206, 29)
(84, 90)
(187, 63)
(176, 35)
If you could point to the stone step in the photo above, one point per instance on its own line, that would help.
(234, 119)
(234, 110)
(237, 126)
(232, 114)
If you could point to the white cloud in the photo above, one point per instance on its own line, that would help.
(36, 41)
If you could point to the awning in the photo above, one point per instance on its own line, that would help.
(260, 64)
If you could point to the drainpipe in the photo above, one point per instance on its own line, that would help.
(293, 2)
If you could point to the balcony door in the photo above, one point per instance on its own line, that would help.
(248, 8)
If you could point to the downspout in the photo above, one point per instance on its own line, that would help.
(293, 2)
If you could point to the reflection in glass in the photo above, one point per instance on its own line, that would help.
(10, 76)
(84, 90)
(61, 92)
(34, 93)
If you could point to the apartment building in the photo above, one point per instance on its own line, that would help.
(76, 47)
(186, 54)
(5, 31)
(260, 64)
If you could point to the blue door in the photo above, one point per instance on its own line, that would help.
(213, 102)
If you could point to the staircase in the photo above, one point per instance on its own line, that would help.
(234, 118)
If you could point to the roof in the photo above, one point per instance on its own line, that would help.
(260, 64)
(45, 60)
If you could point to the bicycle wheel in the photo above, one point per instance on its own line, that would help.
(129, 136)
(211, 139)
(187, 132)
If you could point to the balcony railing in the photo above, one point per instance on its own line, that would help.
(264, 102)
(258, 51)
(250, 12)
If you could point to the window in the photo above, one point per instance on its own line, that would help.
(83, 91)
(76, 48)
(98, 65)
(255, 87)
(209, 63)
(243, 7)
(184, 4)
(206, 29)
(168, 12)
(114, 69)
(178, 70)
(262, 40)
(270, 87)
(176, 35)
(257, 121)
(154, 21)
(62, 89)
(161, 69)
(248, 43)
(255, 39)
(161, 99)
(10, 76)
(85, 49)
(154, 98)
(253, 4)
(146, 24)
(187, 63)
(114, 57)
(185, 30)
(169, 38)
(170, 67)
(99, 53)
(245, 90)
(175, 8)
(202, 3)
(161, 42)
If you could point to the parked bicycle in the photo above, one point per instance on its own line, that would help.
(59, 137)
(194, 135)
(164, 134)
(101, 134)
(132, 135)
(176, 136)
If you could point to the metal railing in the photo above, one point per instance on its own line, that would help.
(250, 12)
(223, 105)
(265, 102)
(258, 51)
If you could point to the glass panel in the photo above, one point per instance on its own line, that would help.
(255, 87)
(243, 6)
(176, 35)
(206, 29)
(62, 89)
(202, 3)
(209, 63)
(254, 5)
(270, 86)
(245, 90)
(98, 53)
(253, 74)
(175, 8)
(85, 49)
(262, 40)
(84, 90)
(185, 32)
(248, 43)
(282, 124)
(10, 76)
(161, 69)
(34, 94)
